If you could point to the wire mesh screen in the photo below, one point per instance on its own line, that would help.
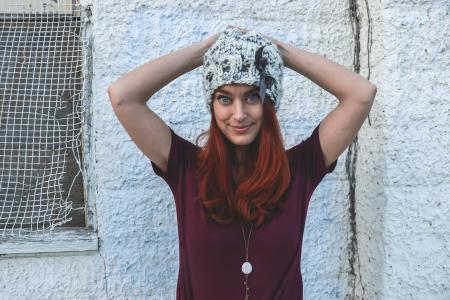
(41, 113)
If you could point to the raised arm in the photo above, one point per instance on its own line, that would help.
(355, 94)
(129, 94)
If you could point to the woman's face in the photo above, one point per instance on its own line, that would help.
(238, 106)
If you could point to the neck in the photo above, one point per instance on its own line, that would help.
(242, 163)
(240, 154)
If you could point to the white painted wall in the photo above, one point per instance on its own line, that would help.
(402, 168)
(403, 177)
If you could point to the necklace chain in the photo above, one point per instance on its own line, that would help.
(246, 260)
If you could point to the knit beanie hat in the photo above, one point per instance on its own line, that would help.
(243, 58)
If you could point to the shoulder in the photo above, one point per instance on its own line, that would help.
(308, 156)
(182, 155)
(184, 151)
(304, 147)
(179, 141)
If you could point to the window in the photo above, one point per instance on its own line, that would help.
(43, 86)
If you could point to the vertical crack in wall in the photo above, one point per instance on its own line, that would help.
(369, 44)
(352, 155)
(105, 275)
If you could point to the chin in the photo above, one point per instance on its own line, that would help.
(241, 143)
(242, 140)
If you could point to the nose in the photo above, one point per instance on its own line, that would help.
(240, 111)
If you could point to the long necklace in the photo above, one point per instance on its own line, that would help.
(246, 266)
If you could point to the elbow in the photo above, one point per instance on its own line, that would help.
(373, 89)
(113, 96)
(118, 95)
(369, 96)
(363, 94)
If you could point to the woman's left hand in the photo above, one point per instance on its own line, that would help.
(275, 41)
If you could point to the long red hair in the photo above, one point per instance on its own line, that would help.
(260, 194)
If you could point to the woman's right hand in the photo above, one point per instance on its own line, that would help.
(208, 42)
(212, 39)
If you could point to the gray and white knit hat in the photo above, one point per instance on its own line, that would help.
(245, 58)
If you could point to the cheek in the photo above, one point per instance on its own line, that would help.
(259, 114)
(220, 115)
(219, 120)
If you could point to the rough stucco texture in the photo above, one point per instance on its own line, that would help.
(402, 171)
(403, 176)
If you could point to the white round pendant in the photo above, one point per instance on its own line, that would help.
(246, 268)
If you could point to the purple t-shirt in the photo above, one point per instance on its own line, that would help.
(211, 254)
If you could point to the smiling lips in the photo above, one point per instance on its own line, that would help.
(241, 129)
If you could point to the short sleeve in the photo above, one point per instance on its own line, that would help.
(180, 154)
(308, 157)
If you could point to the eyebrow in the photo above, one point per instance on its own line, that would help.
(249, 91)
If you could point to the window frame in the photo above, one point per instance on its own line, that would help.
(65, 239)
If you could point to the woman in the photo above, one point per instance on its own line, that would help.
(242, 199)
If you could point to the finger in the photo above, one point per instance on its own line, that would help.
(241, 29)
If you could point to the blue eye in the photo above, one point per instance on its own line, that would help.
(220, 97)
(254, 97)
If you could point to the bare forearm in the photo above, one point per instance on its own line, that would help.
(141, 83)
(334, 78)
